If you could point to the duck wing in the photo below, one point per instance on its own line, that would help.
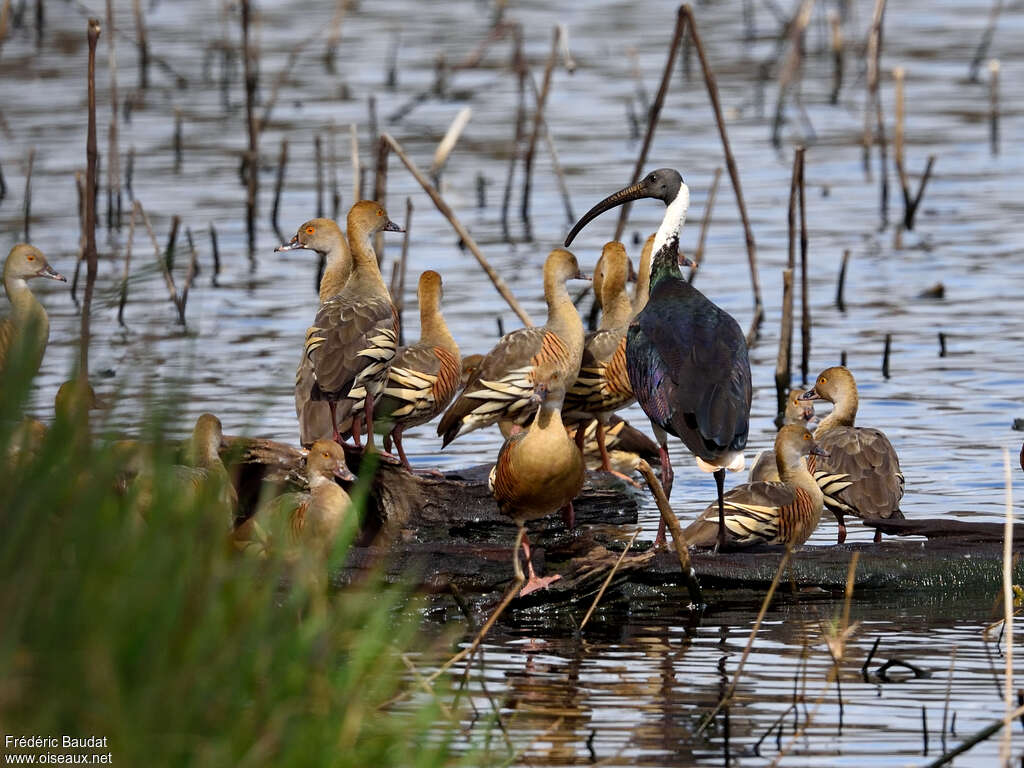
(861, 475)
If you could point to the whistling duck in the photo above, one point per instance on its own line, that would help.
(539, 470)
(785, 512)
(354, 335)
(686, 357)
(325, 237)
(309, 519)
(797, 411)
(602, 385)
(862, 475)
(503, 385)
(626, 445)
(424, 377)
(28, 316)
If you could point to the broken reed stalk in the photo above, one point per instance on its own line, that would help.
(986, 40)
(178, 150)
(993, 95)
(805, 301)
(783, 361)
(1004, 749)
(460, 230)
(318, 162)
(841, 283)
(142, 43)
(793, 65)
(193, 269)
(447, 144)
(555, 163)
(538, 119)
(332, 166)
(705, 223)
(253, 157)
(282, 163)
(519, 67)
(113, 152)
(91, 160)
(3, 182)
(949, 691)
(172, 289)
(123, 299)
(334, 37)
(654, 113)
(399, 272)
(871, 82)
(27, 215)
(678, 537)
(641, 93)
(216, 254)
(563, 46)
(836, 42)
(172, 241)
(380, 190)
(910, 200)
(608, 579)
(734, 176)
(354, 155)
(129, 168)
(750, 643)
(885, 355)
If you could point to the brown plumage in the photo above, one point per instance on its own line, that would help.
(862, 475)
(786, 512)
(602, 385)
(303, 521)
(797, 412)
(354, 335)
(643, 278)
(502, 386)
(27, 326)
(539, 470)
(324, 237)
(423, 378)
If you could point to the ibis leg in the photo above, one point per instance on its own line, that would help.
(533, 581)
(666, 484)
(841, 536)
(581, 435)
(720, 483)
(878, 536)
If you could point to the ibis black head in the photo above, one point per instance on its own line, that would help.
(662, 184)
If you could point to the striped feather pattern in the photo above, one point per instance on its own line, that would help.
(759, 513)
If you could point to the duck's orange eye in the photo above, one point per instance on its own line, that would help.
(326, 455)
(310, 230)
(822, 380)
(806, 436)
(31, 257)
(380, 212)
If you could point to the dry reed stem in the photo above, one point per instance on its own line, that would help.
(447, 144)
(841, 283)
(282, 163)
(92, 159)
(556, 165)
(113, 152)
(563, 39)
(318, 163)
(27, 209)
(871, 82)
(792, 66)
(470, 243)
(400, 270)
(608, 579)
(678, 537)
(654, 114)
(836, 43)
(427, 688)
(538, 120)
(750, 642)
(123, 299)
(805, 298)
(1004, 750)
(142, 43)
(282, 77)
(734, 176)
(253, 156)
(193, 269)
(380, 185)
(783, 360)
(172, 289)
(986, 40)
(705, 223)
(993, 90)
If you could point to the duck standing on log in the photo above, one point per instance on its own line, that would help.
(355, 333)
(539, 470)
(506, 381)
(797, 411)
(424, 377)
(686, 357)
(861, 476)
(28, 325)
(602, 385)
(325, 237)
(785, 512)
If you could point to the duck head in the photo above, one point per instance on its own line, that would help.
(369, 218)
(320, 235)
(794, 441)
(832, 384)
(327, 459)
(26, 261)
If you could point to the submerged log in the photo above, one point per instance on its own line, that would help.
(445, 535)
